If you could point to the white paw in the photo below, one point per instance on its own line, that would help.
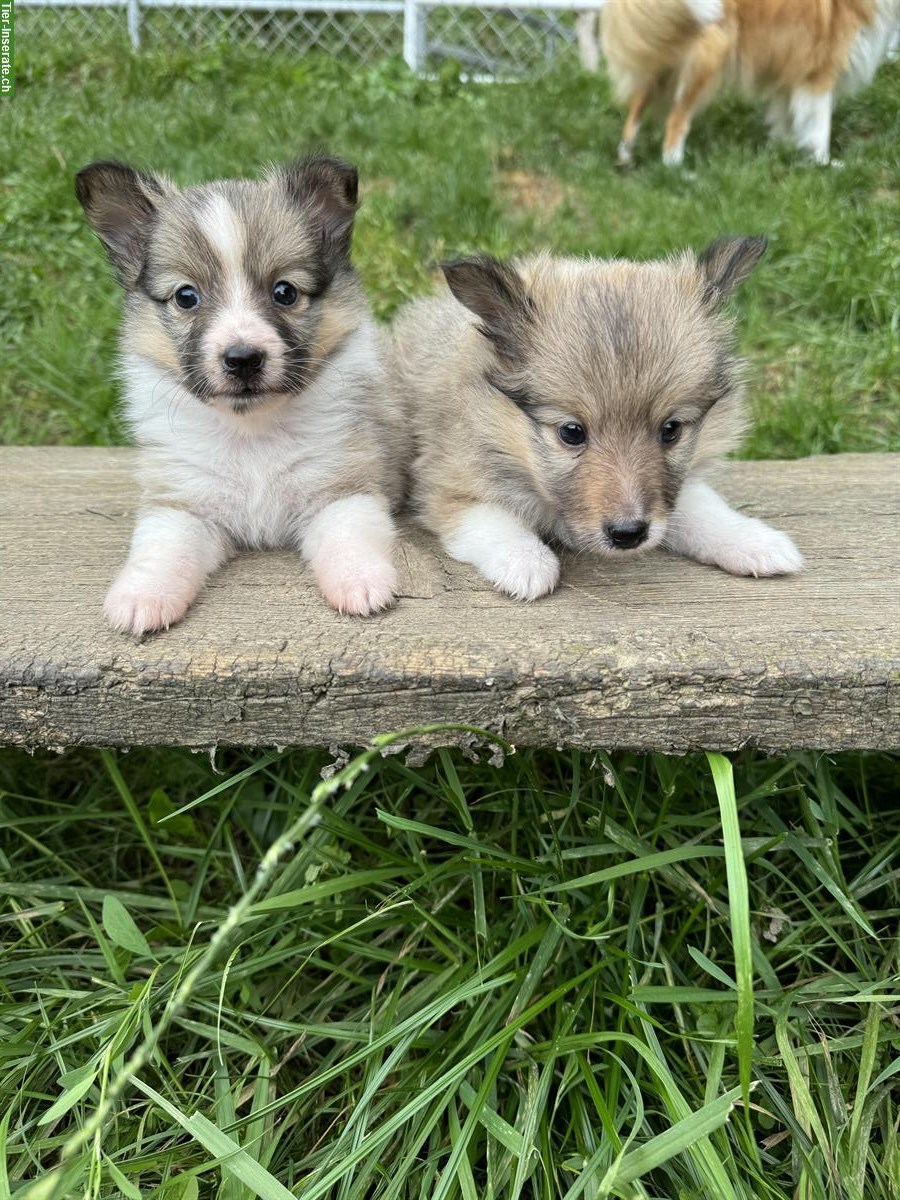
(137, 604)
(674, 155)
(760, 551)
(358, 587)
(624, 156)
(526, 571)
(505, 551)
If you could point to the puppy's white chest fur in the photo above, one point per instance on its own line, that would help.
(256, 475)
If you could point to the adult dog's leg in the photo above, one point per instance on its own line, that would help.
(697, 80)
(639, 101)
(811, 119)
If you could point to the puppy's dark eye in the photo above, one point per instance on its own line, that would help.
(187, 297)
(570, 433)
(670, 432)
(284, 293)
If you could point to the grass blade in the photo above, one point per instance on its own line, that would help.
(739, 916)
(676, 1139)
(225, 1150)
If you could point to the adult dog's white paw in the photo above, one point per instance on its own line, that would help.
(673, 156)
(357, 586)
(760, 551)
(136, 604)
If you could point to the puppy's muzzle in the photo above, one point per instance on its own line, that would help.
(626, 535)
(243, 362)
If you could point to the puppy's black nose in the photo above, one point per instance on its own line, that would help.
(243, 361)
(625, 535)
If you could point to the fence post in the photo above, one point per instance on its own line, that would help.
(133, 16)
(414, 35)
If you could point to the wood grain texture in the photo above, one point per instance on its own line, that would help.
(654, 654)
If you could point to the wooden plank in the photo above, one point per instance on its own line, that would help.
(654, 653)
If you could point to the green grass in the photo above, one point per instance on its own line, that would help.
(543, 980)
(567, 976)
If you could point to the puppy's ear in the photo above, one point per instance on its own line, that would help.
(727, 262)
(330, 187)
(120, 204)
(495, 292)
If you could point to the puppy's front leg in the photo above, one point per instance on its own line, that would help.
(504, 550)
(349, 544)
(172, 553)
(705, 528)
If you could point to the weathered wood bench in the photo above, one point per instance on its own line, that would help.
(656, 653)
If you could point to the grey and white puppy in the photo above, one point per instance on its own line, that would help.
(579, 401)
(254, 384)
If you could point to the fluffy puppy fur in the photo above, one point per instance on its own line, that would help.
(254, 384)
(579, 401)
(798, 52)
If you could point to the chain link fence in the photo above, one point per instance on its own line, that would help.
(486, 39)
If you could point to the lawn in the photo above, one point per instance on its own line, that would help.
(555, 976)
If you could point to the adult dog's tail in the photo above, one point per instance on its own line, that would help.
(642, 38)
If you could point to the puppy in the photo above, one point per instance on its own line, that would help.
(800, 52)
(579, 401)
(254, 384)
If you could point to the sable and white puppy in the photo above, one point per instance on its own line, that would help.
(254, 384)
(579, 401)
(801, 53)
